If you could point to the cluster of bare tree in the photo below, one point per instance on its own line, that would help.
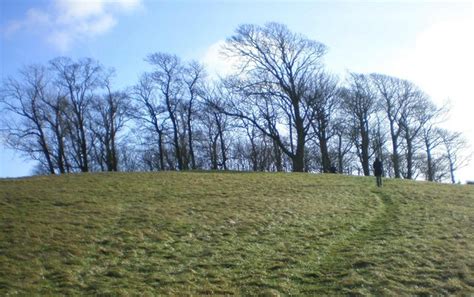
(65, 115)
(280, 111)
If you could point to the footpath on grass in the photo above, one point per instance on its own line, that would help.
(402, 249)
(344, 264)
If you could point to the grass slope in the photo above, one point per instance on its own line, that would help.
(234, 233)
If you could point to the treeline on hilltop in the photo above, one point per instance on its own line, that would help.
(279, 111)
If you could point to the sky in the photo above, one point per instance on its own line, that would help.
(429, 43)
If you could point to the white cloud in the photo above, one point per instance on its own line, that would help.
(442, 58)
(69, 21)
(71, 10)
(217, 64)
(441, 62)
(34, 17)
(128, 4)
(61, 40)
(100, 25)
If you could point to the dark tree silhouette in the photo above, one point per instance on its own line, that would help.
(323, 99)
(24, 98)
(167, 76)
(359, 103)
(276, 67)
(193, 78)
(151, 113)
(278, 111)
(454, 144)
(78, 80)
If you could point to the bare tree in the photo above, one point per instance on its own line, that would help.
(24, 99)
(78, 80)
(431, 138)
(281, 111)
(217, 124)
(57, 107)
(454, 144)
(343, 144)
(151, 113)
(323, 99)
(388, 88)
(260, 153)
(378, 140)
(193, 78)
(276, 66)
(111, 112)
(416, 112)
(359, 104)
(167, 76)
(407, 110)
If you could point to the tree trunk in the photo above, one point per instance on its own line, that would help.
(409, 159)
(220, 133)
(60, 151)
(224, 155)
(213, 153)
(451, 168)
(253, 153)
(47, 155)
(395, 155)
(278, 158)
(190, 137)
(160, 151)
(429, 162)
(365, 148)
(340, 156)
(113, 149)
(42, 142)
(298, 157)
(326, 161)
(83, 148)
(175, 138)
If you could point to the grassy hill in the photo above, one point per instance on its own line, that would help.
(234, 233)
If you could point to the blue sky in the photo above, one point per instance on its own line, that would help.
(430, 43)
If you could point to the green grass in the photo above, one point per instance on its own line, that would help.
(234, 234)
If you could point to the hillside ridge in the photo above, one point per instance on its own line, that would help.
(216, 233)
